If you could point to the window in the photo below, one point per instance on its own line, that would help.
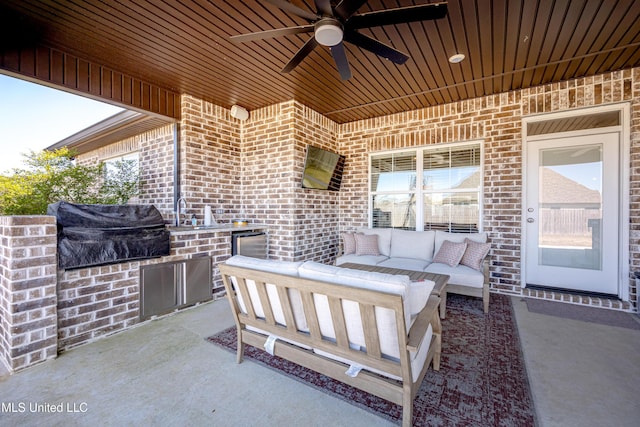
(449, 196)
(129, 161)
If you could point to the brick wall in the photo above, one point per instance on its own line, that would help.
(303, 223)
(155, 150)
(27, 290)
(497, 121)
(209, 159)
(98, 301)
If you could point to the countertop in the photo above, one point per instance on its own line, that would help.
(217, 228)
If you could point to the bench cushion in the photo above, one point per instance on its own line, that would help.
(412, 244)
(288, 268)
(404, 263)
(385, 318)
(459, 275)
(361, 259)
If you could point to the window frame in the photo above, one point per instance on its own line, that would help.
(120, 158)
(419, 153)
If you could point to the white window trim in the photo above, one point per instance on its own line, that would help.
(419, 151)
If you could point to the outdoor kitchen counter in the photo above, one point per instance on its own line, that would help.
(188, 229)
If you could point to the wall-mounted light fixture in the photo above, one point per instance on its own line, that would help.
(238, 112)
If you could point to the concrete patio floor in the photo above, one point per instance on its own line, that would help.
(163, 372)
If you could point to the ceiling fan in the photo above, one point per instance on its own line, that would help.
(334, 25)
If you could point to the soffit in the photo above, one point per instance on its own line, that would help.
(184, 46)
(118, 127)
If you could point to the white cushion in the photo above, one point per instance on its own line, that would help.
(419, 294)
(384, 238)
(418, 358)
(405, 263)
(441, 236)
(412, 244)
(361, 259)
(385, 318)
(288, 268)
(459, 275)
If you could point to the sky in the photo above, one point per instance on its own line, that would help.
(33, 117)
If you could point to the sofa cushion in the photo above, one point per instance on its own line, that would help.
(404, 263)
(288, 268)
(441, 236)
(367, 244)
(450, 253)
(459, 275)
(419, 294)
(418, 358)
(384, 238)
(361, 259)
(475, 254)
(412, 244)
(348, 243)
(385, 318)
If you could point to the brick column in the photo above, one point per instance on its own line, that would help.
(28, 296)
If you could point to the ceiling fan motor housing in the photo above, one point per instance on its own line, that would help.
(328, 31)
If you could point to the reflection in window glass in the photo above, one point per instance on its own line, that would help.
(394, 211)
(393, 172)
(446, 198)
(456, 212)
(451, 185)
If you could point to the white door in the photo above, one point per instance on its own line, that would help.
(572, 218)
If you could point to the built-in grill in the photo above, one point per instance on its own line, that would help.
(91, 235)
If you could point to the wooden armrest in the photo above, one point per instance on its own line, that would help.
(421, 324)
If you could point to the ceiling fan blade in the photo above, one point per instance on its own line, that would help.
(346, 8)
(400, 15)
(340, 57)
(285, 5)
(300, 55)
(324, 7)
(261, 35)
(373, 45)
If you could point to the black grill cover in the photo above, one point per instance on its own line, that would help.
(106, 234)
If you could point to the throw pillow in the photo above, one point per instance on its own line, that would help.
(367, 244)
(348, 243)
(474, 254)
(450, 253)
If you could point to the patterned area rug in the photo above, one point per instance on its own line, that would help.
(482, 379)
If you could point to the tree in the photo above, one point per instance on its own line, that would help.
(51, 176)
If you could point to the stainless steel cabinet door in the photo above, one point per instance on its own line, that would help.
(159, 290)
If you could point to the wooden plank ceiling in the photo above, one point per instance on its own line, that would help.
(184, 46)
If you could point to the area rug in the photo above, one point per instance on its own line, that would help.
(482, 379)
(602, 316)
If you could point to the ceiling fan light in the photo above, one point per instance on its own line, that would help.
(328, 35)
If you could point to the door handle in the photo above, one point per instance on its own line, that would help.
(530, 220)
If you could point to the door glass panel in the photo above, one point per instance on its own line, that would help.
(570, 204)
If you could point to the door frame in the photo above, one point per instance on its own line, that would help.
(624, 176)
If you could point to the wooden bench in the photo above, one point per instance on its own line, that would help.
(294, 311)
